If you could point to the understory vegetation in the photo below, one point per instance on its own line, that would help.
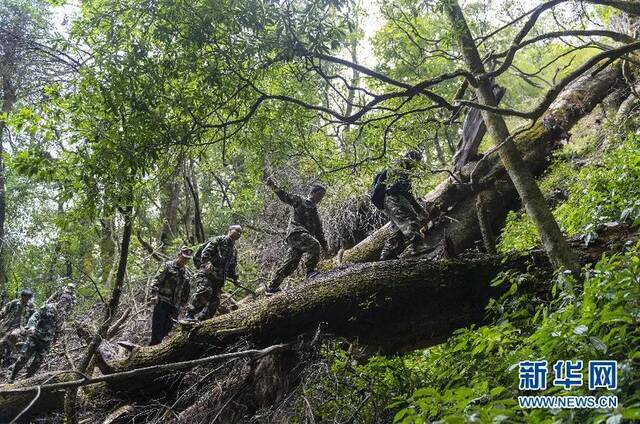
(473, 377)
(600, 188)
(133, 132)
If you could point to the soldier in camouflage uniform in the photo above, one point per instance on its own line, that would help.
(13, 318)
(68, 296)
(304, 234)
(402, 209)
(219, 261)
(169, 290)
(42, 329)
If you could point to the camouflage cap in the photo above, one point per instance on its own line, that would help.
(313, 188)
(26, 292)
(413, 155)
(66, 297)
(49, 310)
(186, 251)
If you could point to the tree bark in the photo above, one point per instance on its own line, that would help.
(391, 306)
(451, 205)
(193, 189)
(488, 238)
(523, 180)
(9, 99)
(169, 192)
(110, 312)
(107, 249)
(473, 131)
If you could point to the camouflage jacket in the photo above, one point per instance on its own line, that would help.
(45, 323)
(221, 252)
(14, 315)
(399, 184)
(171, 284)
(304, 217)
(63, 312)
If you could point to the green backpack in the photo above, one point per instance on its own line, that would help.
(197, 258)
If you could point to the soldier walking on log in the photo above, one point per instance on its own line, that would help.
(216, 261)
(169, 291)
(13, 318)
(43, 327)
(402, 208)
(304, 233)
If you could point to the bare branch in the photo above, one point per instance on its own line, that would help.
(175, 366)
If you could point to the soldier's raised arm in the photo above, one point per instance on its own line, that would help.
(288, 198)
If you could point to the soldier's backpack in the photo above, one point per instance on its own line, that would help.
(197, 257)
(379, 190)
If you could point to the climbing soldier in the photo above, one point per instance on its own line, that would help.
(304, 233)
(216, 261)
(13, 318)
(402, 209)
(42, 328)
(68, 291)
(169, 291)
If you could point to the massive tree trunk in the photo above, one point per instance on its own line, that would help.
(450, 206)
(519, 173)
(390, 306)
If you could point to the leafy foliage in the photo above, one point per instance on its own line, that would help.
(597, 194)
(473, 377)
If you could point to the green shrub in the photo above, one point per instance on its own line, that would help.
(597, 194)
(473, 377)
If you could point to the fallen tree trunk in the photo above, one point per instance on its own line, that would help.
(394, 305)
(450, 206)
(391, 306)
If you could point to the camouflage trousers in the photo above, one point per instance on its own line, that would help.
(34, 347)
(206, 297)
(8, 345)
(405, 225)
(298, 244)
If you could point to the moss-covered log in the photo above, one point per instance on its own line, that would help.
(450, 206)
(392, 306)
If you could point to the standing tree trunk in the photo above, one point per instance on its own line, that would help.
(107, 249)
(8, 101)
(170, 191)
(554, 243)
(192, 183)
(110, 312)
(488, 238)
